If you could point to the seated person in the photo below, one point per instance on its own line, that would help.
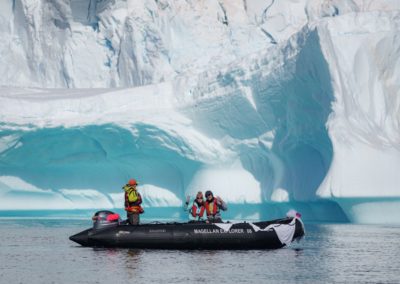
(196, 211)
(213, 206)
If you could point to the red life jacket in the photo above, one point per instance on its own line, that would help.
(135, 209)
(215, 208)
(194, 211)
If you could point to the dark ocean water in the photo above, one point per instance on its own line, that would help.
(39, 251)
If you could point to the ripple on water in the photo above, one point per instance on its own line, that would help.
(40, 253)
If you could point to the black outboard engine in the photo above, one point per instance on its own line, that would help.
(105, 219)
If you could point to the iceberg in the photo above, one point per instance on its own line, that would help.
(273, 106)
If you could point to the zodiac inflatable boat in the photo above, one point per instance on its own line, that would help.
(109, 231)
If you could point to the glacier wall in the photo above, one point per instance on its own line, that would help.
(364, 126)
(306, 116)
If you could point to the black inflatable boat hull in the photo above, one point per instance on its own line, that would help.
(189, 235)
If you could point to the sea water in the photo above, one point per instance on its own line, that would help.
(39, 251)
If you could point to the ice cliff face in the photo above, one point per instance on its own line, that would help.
(277, 104)
(92, 43)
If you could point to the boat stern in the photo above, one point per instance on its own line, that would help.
(299, 231)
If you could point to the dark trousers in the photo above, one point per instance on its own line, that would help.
(133, 218)
(214, 219)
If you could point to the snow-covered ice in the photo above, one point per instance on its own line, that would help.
(273, 105)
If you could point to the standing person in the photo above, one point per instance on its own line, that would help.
(133, 199)
(213, 206)
(197, 209)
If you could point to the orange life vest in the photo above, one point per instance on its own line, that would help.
(135, 209)
(214, 208)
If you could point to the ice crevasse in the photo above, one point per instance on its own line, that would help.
(278, 108)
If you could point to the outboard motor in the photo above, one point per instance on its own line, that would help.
(105, 219)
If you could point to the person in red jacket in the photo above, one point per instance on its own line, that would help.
(133, 199)
(213, 206)
(197, 209)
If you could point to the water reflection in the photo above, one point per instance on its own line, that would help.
(132, 262)
(134, 254)
(329, 253)
(335, 253)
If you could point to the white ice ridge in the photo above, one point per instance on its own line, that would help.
(276, 102)
(88, 43)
